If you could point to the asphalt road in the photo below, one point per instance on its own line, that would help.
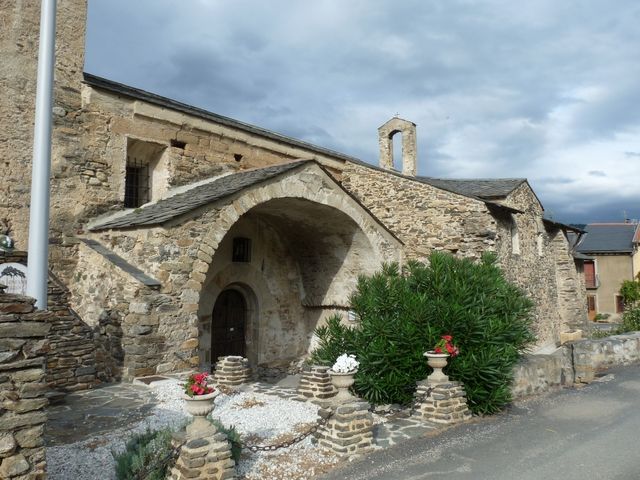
(573, 434)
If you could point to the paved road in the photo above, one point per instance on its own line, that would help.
(573, 434)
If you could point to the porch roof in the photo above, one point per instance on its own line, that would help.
(199, 194)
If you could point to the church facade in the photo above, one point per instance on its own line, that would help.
(182, 235)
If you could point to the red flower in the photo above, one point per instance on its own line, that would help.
(447, 338)
(437, 350)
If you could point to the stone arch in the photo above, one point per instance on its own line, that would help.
(299, 187)
(386, 133)
(288, 206)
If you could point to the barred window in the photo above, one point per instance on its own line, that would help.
(241, 249)
(136, 186)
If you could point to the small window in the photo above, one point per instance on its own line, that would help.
(540, 241)
(241, 250)
(515, 237)
(619, 304)
(178, 144)
(136, 186)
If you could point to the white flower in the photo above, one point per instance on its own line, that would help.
(345, 364)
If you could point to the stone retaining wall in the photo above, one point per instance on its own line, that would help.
(23, 388)
(71, 361)
(574, 362)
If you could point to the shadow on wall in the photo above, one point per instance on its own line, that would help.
(304, 262)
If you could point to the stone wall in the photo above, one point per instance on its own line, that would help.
(577, 362)
(125, 314)
(71, 362)
(425, 218)
(541, 264)
(18, 62)
(183, 256)
(23, 386)
(590, 356)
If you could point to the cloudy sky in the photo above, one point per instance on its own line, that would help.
(545, 89)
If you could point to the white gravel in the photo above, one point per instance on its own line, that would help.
(259, 418)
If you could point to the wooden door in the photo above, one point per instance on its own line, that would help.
(228, 325)
(591, 307)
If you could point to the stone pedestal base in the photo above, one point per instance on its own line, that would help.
(232, 371)
(315, 384)
(204, 458)
(442, 402)
(349, 431)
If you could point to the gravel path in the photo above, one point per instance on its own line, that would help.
(259, 418)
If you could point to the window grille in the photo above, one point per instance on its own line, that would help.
(241, 250)
(136, 185)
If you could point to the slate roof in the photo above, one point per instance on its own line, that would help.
(481, 188)
(608, 238)
(176, 205)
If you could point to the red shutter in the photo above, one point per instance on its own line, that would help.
(590, 274)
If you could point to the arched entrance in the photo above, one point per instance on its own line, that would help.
(228, 325)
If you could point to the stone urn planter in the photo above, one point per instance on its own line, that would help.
(200, 405)
(342, 382)
(437, 361)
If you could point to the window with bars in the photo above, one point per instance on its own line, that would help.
(241, 250)
(136, 185)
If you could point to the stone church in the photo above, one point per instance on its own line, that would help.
(180, 235)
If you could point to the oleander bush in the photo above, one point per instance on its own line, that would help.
(403, 313)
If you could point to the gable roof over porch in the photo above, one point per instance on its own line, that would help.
(198, 194)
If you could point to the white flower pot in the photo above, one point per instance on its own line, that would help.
(437, 361)
(343, 381)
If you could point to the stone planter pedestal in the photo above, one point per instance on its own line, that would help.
(232, 371)
(315, 384)
(349, 430)
(441, 403)
(205, 453)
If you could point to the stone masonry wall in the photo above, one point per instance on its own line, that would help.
(19, 35)
(23, 346)
(574, 362)
(425, 218)
(125, 314)
(546, 272)
(181, 254)
(71, 362)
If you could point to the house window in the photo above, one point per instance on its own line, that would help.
(136, 186)
(590, 274)
(619, 304)
(241, 250)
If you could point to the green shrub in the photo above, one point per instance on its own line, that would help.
(232, 436)
(630, 291)
(630, 320)
(403, 314)
(143, 456)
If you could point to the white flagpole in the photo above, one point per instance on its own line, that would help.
(38, 250)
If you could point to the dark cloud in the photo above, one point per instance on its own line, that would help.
(545, 89)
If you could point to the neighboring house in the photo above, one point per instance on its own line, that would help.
(183, 235)
(612, 257)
